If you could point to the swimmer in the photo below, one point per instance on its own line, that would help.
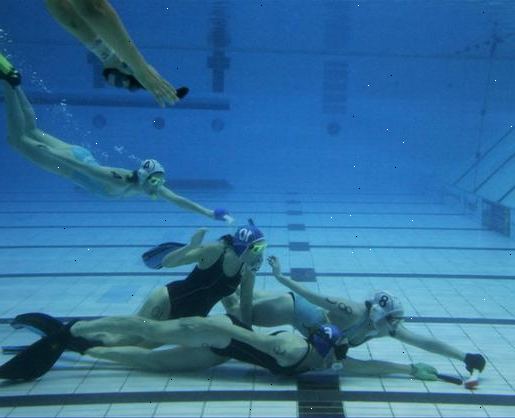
(98, 27)
(221, 267)
(76, 163)
(203, 342)
(379, 316)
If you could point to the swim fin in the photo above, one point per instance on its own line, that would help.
(117, 78)
(36, 359)
(43, 324)
(154, 257)
(8, 72)
(40, 323)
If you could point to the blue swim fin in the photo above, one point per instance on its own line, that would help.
(154, 257)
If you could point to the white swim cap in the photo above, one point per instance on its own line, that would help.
(385, 311)
(147, 168)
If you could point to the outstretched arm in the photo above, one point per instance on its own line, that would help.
(380, 368)
(184, 203)
(428, 343)
(337, 305)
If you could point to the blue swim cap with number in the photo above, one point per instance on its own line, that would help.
(245, 236)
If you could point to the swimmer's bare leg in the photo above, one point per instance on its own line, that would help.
(16, 123)
(268, 309)
(198, 332)
(156, 307)
(22, 122)
(178, 359)
(66, 14)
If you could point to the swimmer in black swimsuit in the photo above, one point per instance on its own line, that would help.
(379, 316)
(222, 267)
(203, 342)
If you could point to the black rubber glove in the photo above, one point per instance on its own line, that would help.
(474, 361)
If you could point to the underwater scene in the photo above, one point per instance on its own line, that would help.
(244, 208)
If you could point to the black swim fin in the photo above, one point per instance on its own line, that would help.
(44, 325)
(36, 359)
(182, 92)
(117, 78)
(40, 323)
(154, 257)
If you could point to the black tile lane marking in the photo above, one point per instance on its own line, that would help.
(322, 383)
(465, 398)
(339, 275)
(299, 246)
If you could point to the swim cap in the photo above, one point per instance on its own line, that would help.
(384, 307)
(245, 236)
(147, 168)
(324, 338)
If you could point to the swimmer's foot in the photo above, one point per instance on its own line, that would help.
(8, 72)
(122, 78)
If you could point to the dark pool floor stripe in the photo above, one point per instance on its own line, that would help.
(465, 398)
(305, 212)
(182, 226)
(317, 382)
(294, 247)
(116, 274)
(411, 319)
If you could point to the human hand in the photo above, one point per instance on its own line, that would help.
(424, 371)
(273, 261)
(198, 237)
(474, 362)
(221, 214)
(162, 90)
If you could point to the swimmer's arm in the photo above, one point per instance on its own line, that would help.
(194, 252)
(339, 306)
(184, 203)
(374, 367)
(246, 296)
(430, 344)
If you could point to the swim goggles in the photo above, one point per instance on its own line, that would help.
(258, 247)
(155, 181)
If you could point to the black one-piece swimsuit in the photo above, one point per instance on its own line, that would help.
(201, 290)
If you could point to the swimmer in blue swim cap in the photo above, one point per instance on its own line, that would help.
(380, 315)
(77, 163)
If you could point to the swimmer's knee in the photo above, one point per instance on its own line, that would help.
(192, 324)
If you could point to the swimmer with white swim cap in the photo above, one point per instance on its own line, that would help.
(381, 315)
(76, 163)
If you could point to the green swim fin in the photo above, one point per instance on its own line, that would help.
(8, 72)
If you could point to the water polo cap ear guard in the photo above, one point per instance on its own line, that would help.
(384, 309)
(324, 338)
